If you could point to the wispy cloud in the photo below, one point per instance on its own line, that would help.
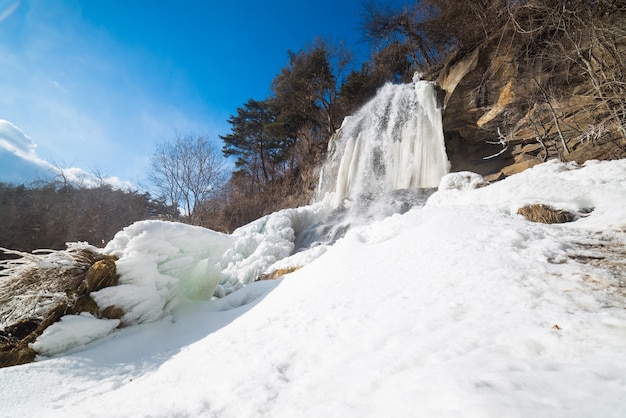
(85, 97)
(7, 8)
(14, 141)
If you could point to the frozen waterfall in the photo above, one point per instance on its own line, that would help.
(380, 162)
(394, 142)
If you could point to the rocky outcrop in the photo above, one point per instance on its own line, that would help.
(501, 118)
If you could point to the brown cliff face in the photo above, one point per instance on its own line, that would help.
(501, 117)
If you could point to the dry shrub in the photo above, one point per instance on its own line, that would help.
(545, 214)
(277, 273)
(112, 312)
(35, 283)
(39, 288)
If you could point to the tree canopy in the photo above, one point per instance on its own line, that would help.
(51, 214)
(186, 172)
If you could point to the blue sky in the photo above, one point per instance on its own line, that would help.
(97, 84)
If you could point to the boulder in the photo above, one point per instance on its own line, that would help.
(101, 274)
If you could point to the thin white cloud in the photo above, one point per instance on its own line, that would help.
(16, 142)
(87, 98)
(59, 86)
(13, 140)
(7, 8)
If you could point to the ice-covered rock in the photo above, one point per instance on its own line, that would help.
(462, 180)
(159, 263)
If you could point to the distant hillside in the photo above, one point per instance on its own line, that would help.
(17, 170)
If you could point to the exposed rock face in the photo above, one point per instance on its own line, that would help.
(498, 120)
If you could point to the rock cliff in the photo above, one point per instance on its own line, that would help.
(502, 116)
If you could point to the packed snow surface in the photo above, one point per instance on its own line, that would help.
(456, 308)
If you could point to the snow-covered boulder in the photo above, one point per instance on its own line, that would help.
(462, 180)
(160, 263)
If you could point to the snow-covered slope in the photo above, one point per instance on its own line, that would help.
(457, 308)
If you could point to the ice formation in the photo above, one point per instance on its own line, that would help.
(394, 142)
(161, 264)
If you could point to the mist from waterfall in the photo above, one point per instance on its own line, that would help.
(394, 142)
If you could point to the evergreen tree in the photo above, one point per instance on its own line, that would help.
(258, 140)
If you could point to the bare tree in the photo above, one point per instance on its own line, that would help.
(186, 173)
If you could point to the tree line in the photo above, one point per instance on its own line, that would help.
(50, 214)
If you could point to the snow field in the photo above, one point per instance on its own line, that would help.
(458, 308)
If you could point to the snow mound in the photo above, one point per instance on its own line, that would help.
(159, 264)
(259, 246)
(71, 332)
(462, 180)
(457, 308)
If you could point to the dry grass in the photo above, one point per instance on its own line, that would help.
(39, 288)
(545, 214)
(35, 283)
(277, 273)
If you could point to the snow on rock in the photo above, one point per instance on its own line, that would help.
(462, 180)
(72, 331)
(259, 245)
(594, 186)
